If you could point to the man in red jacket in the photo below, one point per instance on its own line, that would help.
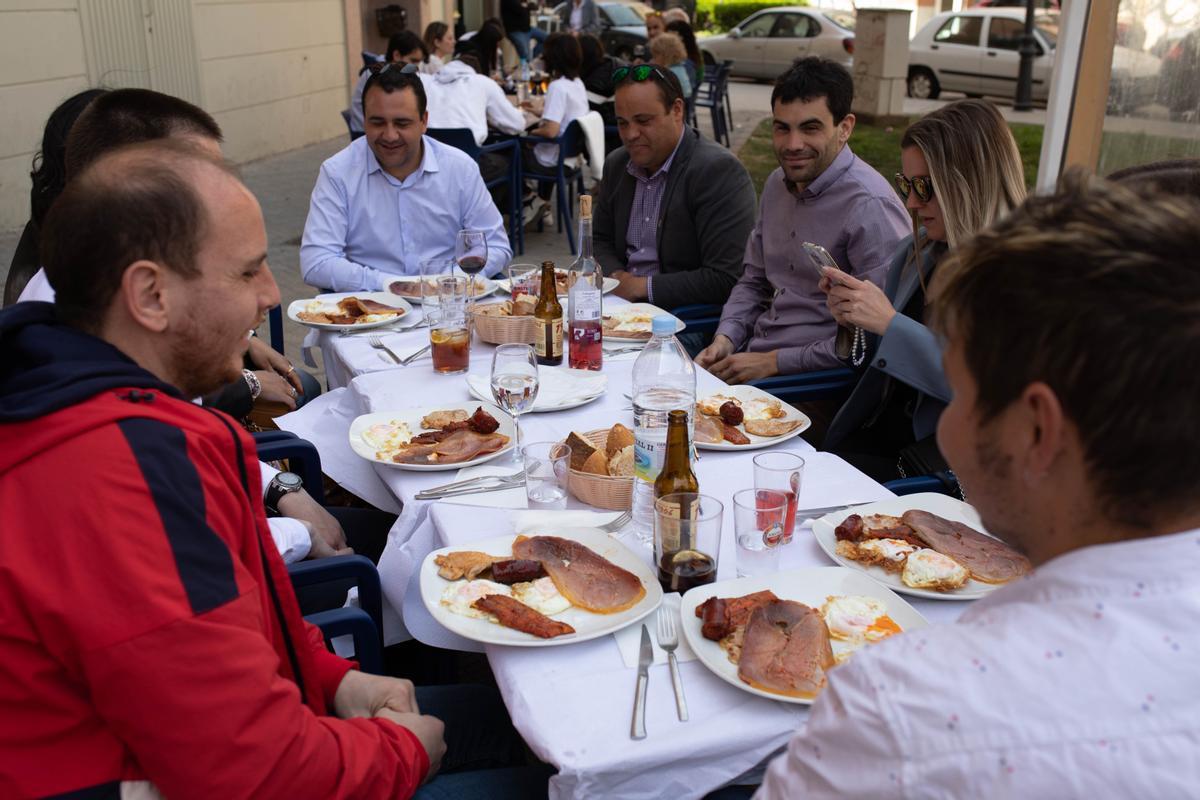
(148, 630)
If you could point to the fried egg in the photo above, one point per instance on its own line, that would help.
(387, 437)
(857, 618)
(892, 550)
(929, 569)
(762, 408)
(459, 596)
(541, 595)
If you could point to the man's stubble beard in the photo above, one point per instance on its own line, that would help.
(197, 368)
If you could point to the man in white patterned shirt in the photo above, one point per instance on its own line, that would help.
(1069, 327)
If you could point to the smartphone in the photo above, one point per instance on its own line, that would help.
(820, 258)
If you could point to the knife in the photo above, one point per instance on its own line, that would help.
(646, 658)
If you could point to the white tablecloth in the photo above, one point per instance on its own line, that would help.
(572, 704)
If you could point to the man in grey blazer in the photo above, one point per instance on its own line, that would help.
(580, 16)
(674, 209)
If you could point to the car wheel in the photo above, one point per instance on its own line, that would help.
(922, 84)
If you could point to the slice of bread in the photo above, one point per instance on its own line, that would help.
(620, 465)
(581, 449)
(596, 464)
(619, 437)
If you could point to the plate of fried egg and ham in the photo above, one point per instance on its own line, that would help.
(344, 311)
(449, 436)
(633, 323)
(778, 635)
(539, 590)
(925, 545)
(745, 418)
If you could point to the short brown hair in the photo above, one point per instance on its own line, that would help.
(562, 55)
(138, 202)
(1095, 292)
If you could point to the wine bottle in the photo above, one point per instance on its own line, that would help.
(548, 316)
(585, 299)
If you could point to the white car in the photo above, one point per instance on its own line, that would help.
(765, 43)
(975, 51)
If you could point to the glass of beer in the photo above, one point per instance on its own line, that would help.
(449, 326)
(687, 539)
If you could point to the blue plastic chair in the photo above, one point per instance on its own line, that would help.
(713, 93)
(700, 318)
(368, 650)
(565, 178)
(346, 118)
(807, 386)
(463, 139)
(922, 483)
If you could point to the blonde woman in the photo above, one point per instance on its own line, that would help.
(668, 52)
(961, 171)
(439, 45)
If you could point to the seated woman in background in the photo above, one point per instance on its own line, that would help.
(483, 44)
(565, 101)
(694, 62)
(668, 52)
(439, 46)
(961, 172)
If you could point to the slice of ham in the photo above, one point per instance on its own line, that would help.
(581, 575)
(721, 615)
(520, 617)
(456, 448)
(709, 429)
(786, 649)
(988, 560)
(733, 435)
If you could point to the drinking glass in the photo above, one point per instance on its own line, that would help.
(523, 279)
(431, 271)
(515, 384)
(449, 331)
(758, 517)
(546, 465)
(782, 472)
(471, 253)
(687, 539)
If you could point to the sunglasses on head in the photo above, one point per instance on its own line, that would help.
(639, 73)
(921, 184)
(405, 69)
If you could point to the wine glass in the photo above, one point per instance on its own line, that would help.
(515, 385)
(471, 253)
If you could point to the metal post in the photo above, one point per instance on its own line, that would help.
(1028, 51)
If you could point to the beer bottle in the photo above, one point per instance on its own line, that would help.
(548, 318)
(680, 565)
(676, 474)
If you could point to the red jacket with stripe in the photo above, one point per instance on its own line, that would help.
(148, 628)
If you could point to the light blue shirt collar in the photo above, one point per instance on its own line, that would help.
(429, 163)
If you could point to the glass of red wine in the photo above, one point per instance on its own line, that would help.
(471, 254)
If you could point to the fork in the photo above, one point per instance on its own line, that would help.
(668, 639)
(376, 341)
(616, 524)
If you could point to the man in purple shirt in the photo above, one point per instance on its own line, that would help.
(821, 193)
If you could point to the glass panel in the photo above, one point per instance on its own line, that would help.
(621, 14)
(843, 19)
(1154, 96)
(759, 26)
(960, 30)
(790, 26)
(1005, 33)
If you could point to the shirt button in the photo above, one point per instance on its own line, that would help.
(793, 234)
(647, 219)
(881, 363)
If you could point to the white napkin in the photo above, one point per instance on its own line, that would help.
(534, 521)
(629, 638)
(557, 387)
(508, 498)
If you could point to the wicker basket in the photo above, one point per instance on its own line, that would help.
(601, 491)
(505, 330)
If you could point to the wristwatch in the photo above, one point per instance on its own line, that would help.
(281, 484)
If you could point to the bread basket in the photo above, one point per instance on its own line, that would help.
(495, 329)
(601, 491)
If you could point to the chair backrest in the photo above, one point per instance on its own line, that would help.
(370, 58)
(571, 141)
(459, 138)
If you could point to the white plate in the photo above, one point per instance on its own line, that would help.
(560, 388)
(810, 586)
(940, 504)
(609, 284)
(745, 394)
(387, 298)
(634, 308)
(586, 624)
(489, 287)
(412, 418)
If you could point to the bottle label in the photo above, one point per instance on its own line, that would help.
(586, 306)
(549, 342)
(648, 457)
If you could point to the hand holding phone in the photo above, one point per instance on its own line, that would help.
(820, 258)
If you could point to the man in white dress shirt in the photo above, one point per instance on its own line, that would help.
(394, 197)
(1069, 326)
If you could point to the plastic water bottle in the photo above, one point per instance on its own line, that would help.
(523, 83)
(664, 379)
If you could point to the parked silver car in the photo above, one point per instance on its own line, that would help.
(764, 44)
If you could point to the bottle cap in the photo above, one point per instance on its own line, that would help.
(663, 325)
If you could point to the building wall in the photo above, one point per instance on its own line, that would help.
(41, 64)
(275, 74)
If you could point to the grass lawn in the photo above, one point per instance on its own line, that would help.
(879, 147)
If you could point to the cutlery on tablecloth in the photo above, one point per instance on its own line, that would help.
(638, 730)
(808, 514)
(485, 483)
(409, 359)
(375, 341)
(668, 639)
